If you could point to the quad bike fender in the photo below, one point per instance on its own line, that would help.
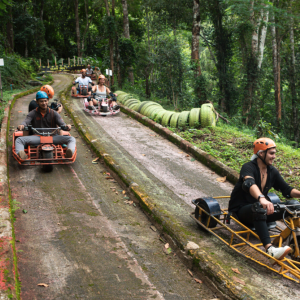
(46, 139)
(210, 204)
(18, 133)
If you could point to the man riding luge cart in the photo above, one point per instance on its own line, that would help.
(44, 147)
(90, 72)
(84, 89)
(253, 210)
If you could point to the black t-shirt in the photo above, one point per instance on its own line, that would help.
(32, 105)
(240, 198)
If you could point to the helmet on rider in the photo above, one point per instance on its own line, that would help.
(101, 76)
(49, 90)
(263, 144)
(41, 95)
(83, 70)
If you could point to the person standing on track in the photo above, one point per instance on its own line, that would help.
(50, 92)
(101, 91)
(43, 117)
(257, 177)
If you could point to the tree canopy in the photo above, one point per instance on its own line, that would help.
(242, 55)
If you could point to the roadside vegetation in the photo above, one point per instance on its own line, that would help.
(233, 146)
(15, 75)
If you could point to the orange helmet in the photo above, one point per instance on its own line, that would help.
(263, 144)
(48, 90)
(101, 76)
(83, 70)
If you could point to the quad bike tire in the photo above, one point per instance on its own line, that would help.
(203, 218)
(292, 245)
(207, 115)
(47, 154)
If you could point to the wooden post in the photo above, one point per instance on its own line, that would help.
(81, 59)
(55, 60)
(62, 62)
(69, 61)
(48, 63)
(40, 62)
(77, 60)
(74, 60)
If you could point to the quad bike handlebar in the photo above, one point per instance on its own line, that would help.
(292, 209)
(55, 130)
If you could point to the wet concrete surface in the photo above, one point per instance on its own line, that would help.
(172, 179)
(81, 239)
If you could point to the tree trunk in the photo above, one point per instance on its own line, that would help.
(265, 19)
(293, 85)
(276, 70)
(254, 59)
(26, 50)
(111, 43)
(77, 28)
(42, 10)
(86, 9)
(196, 38)
(10, 32)
(125, 20)
(119, 77)
(127, 35)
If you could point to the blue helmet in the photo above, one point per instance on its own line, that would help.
(41, 95)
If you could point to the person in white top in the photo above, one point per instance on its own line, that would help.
(82, 81)
(89, 71)
(100, 90)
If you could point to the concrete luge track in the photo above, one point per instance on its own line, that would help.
(166, 180)
(80, 238)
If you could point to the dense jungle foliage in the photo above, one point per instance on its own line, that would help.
(242, 55)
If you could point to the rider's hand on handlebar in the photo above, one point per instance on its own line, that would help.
(267, 205)
(69, 127)
(21, 127)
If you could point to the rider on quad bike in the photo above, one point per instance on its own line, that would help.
(43, 117)
(89, 71)
(82, 81)
(101, 90)
(50, 92)
(257, 177)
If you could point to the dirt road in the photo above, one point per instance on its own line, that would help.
(79, 237)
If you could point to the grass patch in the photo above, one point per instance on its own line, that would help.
(7, 95)
(233, 147)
